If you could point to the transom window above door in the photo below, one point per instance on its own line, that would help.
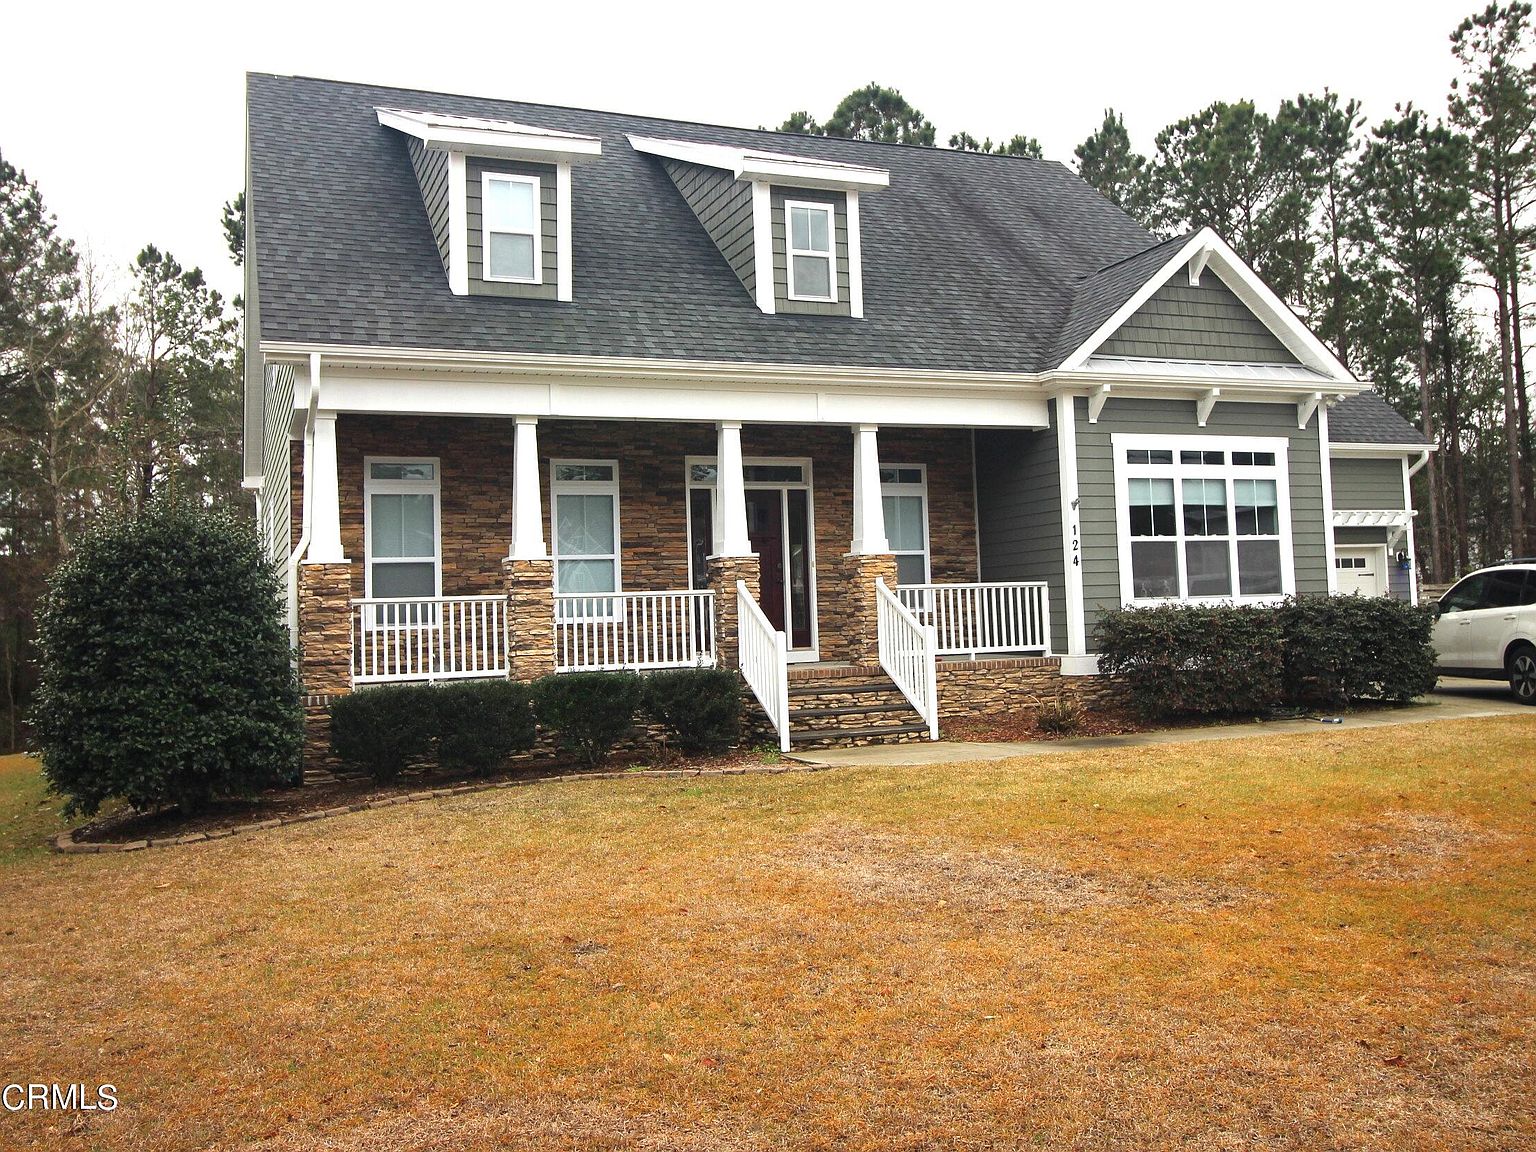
(511, 226)
(812, 263)
(401, 528)
(1203, 519)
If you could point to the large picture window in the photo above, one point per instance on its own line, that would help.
(585, 499)
(509, 208)
(904, 496)
(1202, 520)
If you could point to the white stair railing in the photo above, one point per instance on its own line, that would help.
(634, 630)
(428, 638)
(974, 618)
(764, 661)
(908, 653)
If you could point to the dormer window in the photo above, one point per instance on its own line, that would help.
(811, 254)
(511, 228)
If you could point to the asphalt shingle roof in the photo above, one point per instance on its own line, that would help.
(970, 261)
(1368, 419)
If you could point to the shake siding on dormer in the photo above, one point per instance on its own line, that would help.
(781, 300)
(1181, 322)
(475, 167)
(723, 206)
(431, 170)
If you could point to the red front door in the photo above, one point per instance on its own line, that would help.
(765, 528)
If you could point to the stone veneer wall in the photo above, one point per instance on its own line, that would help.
(476, 485)
(983, 687)
(848, 619)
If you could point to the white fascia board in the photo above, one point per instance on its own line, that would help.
(495, 138)
(1362, 451)
(1246, 285)
(369, 390)
(771, 167)
(1191, 388)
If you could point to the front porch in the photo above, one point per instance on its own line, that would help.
(465, 547)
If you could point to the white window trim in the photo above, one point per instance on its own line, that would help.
(537, 235)
(1120, 443)
(557, 488)
(372, 488)
(920, 490)
(830, 256)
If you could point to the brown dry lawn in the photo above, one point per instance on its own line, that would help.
(1321, 941)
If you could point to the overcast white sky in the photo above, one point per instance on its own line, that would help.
(130, 117)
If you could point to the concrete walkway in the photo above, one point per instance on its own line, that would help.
(1452, 699)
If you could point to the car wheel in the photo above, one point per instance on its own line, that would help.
(1522, 674)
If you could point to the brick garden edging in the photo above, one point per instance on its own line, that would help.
(66, 843)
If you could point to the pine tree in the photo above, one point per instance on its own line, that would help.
(1107, 161)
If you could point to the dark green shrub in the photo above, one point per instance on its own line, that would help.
(166, 676)
(1344, 648)
(701, 707)
(478, 724)
(588, 712)
(383, 730)
(1194, 659)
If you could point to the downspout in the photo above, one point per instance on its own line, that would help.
(305, 511)
(1413, 469)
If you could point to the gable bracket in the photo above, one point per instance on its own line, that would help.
(1096, 400)
(1205, 403)
(1305, 407)
(1197, 266)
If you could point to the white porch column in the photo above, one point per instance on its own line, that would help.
(325, 492)
(527, 501)
(868, 507)
(731, 493)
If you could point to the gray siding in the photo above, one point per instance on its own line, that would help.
(781, 300)
(1096, 484)
(1018, 513)
(478, 286)
(1373, 484)
(431, 170)
(1205, 323)
(723, 206)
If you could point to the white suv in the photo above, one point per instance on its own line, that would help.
(1485, 626)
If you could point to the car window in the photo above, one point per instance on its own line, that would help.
(1466, 595)
(1505, 588)
(1528, 593)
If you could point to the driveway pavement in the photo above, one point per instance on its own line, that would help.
(1453, 699)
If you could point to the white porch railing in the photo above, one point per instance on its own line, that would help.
(431, 638)
(634, 630)
(971, 619)
(908, 653)
(764, 661)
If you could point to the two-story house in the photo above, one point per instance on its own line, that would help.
(535, 389)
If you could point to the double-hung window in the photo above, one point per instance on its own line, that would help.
(511, 229)
(404, 559)
(1202, 520)
(904, 498)
(812, 256)
(585, 498)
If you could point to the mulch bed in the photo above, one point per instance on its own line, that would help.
(285, 803)
(1017, 727)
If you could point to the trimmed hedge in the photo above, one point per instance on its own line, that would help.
(1180, 659)
(166, 676)
(701, 707)
(469, 726)
(478, 724)
(588, 712)
(383, 730)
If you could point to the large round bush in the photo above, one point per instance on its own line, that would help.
(166, 672)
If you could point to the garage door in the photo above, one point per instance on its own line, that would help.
(1362, 570)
